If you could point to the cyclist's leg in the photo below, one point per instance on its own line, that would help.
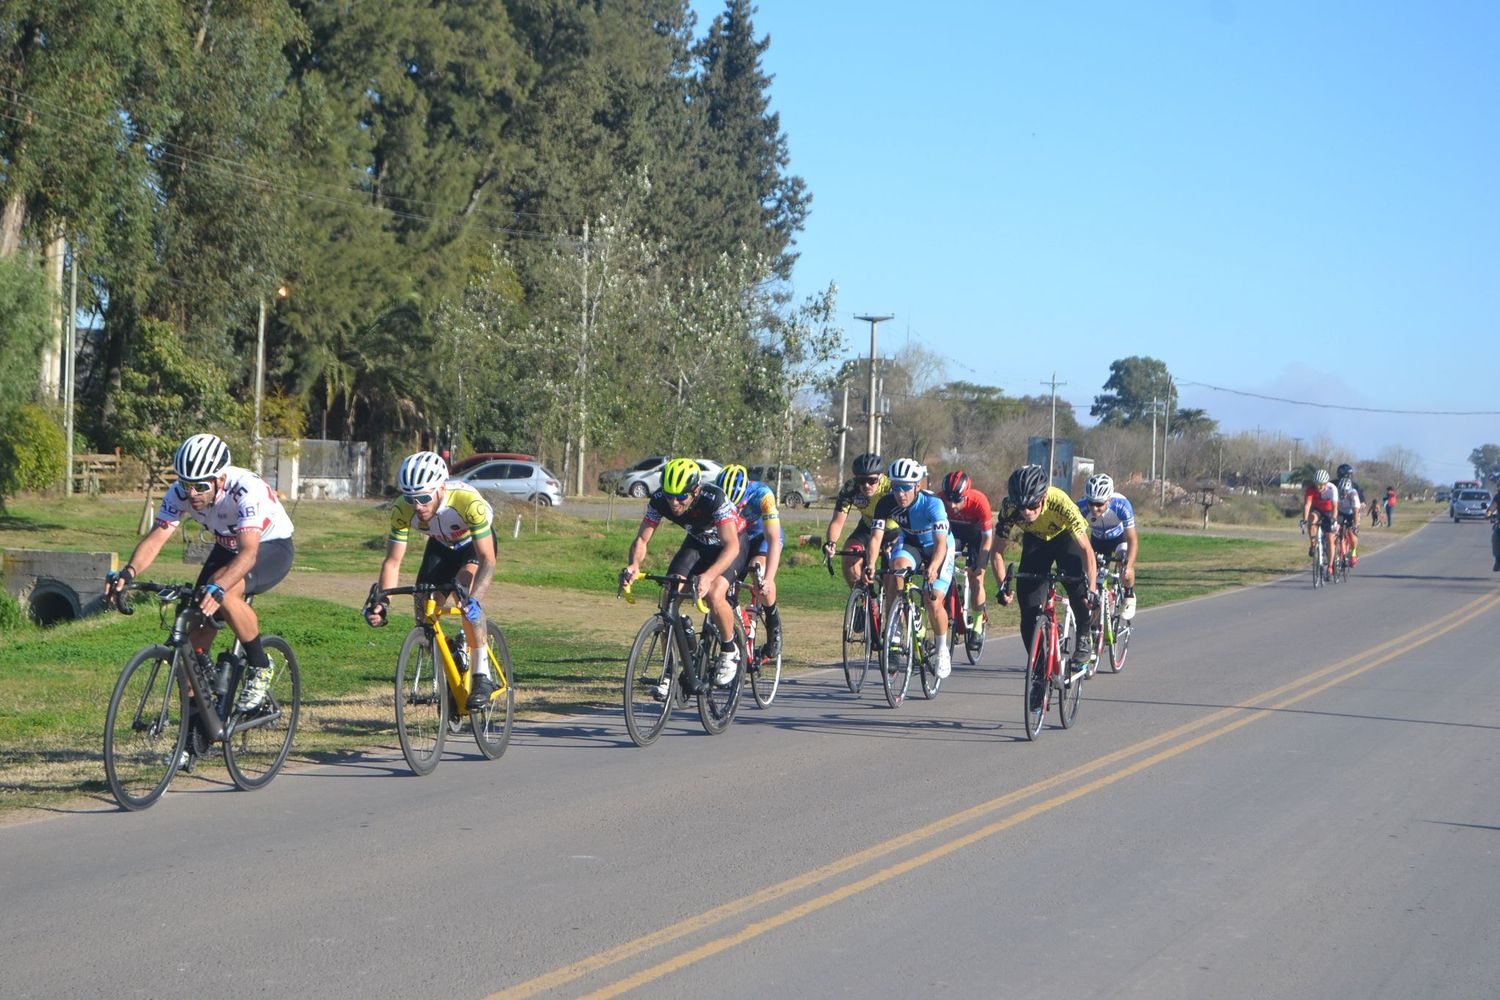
(273, 561)
(1070, 563)
(937, 608)
(1031, 594)
(854, 561)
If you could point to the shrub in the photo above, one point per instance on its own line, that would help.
(32, 450)
(12, 618)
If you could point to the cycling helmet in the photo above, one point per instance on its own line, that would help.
(868, 464)
(906, 470)
(734, 480)
(1321, 477)
(956, 486)
(1346, 484)
(1099, 489)
(1027, 485)
(680, 476)
(1345, 471)
(200, 457)
(422, 472)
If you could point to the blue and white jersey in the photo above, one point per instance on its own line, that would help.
(1111, 522)
(758, 510)
(920, 523)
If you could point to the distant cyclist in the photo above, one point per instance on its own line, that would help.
(1052, 531)
(1351, 505)
(924, 545)
(1321, 498)
(861, 492)
(711, 552)
(972, 522)
(459, 526)
(252, 548)
(762, 539)
(1112, 531)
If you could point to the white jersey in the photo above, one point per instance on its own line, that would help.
(245, 503)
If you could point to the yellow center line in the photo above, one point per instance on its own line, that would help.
(1329, 676)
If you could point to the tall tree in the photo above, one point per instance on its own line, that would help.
(1134, 385)
(1486, 461)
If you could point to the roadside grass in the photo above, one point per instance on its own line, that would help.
(55, 683)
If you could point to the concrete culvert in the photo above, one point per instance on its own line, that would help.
(51, 603)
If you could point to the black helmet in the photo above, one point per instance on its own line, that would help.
(869, 464)
(1027, 485)
(1345, 470)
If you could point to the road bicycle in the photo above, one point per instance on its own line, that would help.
(669, 664)
(433, 684)
(906, 642)
(862, 624)
(962, 628)
(172, 703)
(763, 672)
(1110, 630)
(1321, 569)
(1051, 646)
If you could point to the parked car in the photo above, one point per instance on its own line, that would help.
(1443, 494)
(480, 457)
(643, 479)
(797, 486)
(609, 480)
(1468, 503)
(524, 480)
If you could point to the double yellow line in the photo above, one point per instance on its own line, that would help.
(1182, 739)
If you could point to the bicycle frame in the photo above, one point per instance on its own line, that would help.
(432, 619)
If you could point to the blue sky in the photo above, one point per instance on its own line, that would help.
(1292, 199)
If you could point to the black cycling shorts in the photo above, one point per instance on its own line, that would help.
(694, 557)
(441, 565)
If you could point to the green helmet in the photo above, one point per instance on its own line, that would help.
(680, 476)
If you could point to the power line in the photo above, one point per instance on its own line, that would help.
(1342, 406)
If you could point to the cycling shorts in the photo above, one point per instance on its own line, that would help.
(919, 559)
(694, 557)
(273, 560)
(441, 565)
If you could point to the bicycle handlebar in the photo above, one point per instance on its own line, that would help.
(164, 592)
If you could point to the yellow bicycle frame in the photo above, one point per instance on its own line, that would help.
(458, 681)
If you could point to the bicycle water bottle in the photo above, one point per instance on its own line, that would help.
(223, 670)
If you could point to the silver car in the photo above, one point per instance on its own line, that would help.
(644, 478)
(797, 486)
(1468, 503)
(526, 481)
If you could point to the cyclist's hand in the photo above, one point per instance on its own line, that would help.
(472, 611)
(377, 613)
(1302, 526)
(627, 576)
(115, 583)
(1093, 599)
(210, 598)
(829, 548)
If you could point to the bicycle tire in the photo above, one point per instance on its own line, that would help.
(652, 657)
(1121, 638)
(925, 648)
(717, 705)
(896, 653)
(765, 673)
(258, 741)
(1036, 687)
(1318, 564)
(1071, 684)
(422, 702)
(492, 725)
(859, 646)
(1103, 631)
(145, 728)
(974, 638)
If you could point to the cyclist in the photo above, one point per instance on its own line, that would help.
(1351, 505)
(1112, 531)
(861, 492)
(1052, 531)
(1493, 513)
(252, 548)
(460, 548)
(762, 538)
(972, 522)
(1323, 497)
(711, 551)
(921, 522)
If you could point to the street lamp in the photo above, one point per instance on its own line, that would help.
(260, 374)
(874, 321)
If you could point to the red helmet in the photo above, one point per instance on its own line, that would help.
(956, 486)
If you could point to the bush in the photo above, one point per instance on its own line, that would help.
(12, 618)
(32, 450)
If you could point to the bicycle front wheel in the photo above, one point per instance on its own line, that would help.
(492, 725)
(765, 672)
(145, 728)
(1034, 695)
(859, 641)
(1072, 683)
(259, 740)
(717, 705)
(1119, 642)
(896, 653)
(652, 665)
(422, 702)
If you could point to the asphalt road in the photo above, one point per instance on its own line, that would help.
(1288, 793)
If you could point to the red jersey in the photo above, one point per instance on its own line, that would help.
(1324, 498)
(973, 512)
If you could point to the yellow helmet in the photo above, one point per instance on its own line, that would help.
(734, 480)
(680, 476)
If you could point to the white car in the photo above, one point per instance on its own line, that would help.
(528, 481)
(642, 480)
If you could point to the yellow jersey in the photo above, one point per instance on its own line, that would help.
(463, 517)
(1059, 514)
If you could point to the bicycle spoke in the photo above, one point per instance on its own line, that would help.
(652, 658)
(144, 728)
(261, 738)
(422, 702)
(492, 725)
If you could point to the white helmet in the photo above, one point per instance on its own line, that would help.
(1099, 489)
(906, 470)
(1321, 477)
(200, 457)
(423, 472)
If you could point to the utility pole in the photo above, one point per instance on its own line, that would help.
(843, 430)
(1154, 404)
(260, 376)
(870, 437)
(1166, 430)
(1291, 454)
(1052, 436)
(583, 367)
(69, 368)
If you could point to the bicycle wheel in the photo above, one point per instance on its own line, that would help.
(492, 725)
(765, 673)
(974, 637)
(259, 740)
(1099, 632)
(859, 644)
(145, 728)
(652, 657)
(422, 703)
(926, 649)
(1072, 684)
(716, 705)
(1034, 693)
(1119, 637)
(896, 652)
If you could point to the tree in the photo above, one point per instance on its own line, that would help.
(32, 451)
(25, 325)
(1486, 461)
(1134, 385)
(1192, 422)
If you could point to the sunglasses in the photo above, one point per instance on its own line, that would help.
(903, 487)
(199, 486)
(420, 498)
(679, 497)
(868, 480)
(1098, 504)
(1032, 506)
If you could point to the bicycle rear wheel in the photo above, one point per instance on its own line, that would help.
(1072, 684)
(1034, 694)
(974, 637)
(859, 644)
(492, 725)
(652, 658)
(422, 702)
(765, 672)
(1119, 638)
(896, 652)
(717, 705)
(259, 740)
(145, 728)
(926, 650)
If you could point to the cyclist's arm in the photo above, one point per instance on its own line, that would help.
(148, 548)
(390, 567)
(247, 547)
(774, 542)
(835, 529)
(638, 549)
(1131, 542)
(1081, 543)
(939, 553)
(728, 552)
(986, 550)
(485, 571)
(877, 534)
